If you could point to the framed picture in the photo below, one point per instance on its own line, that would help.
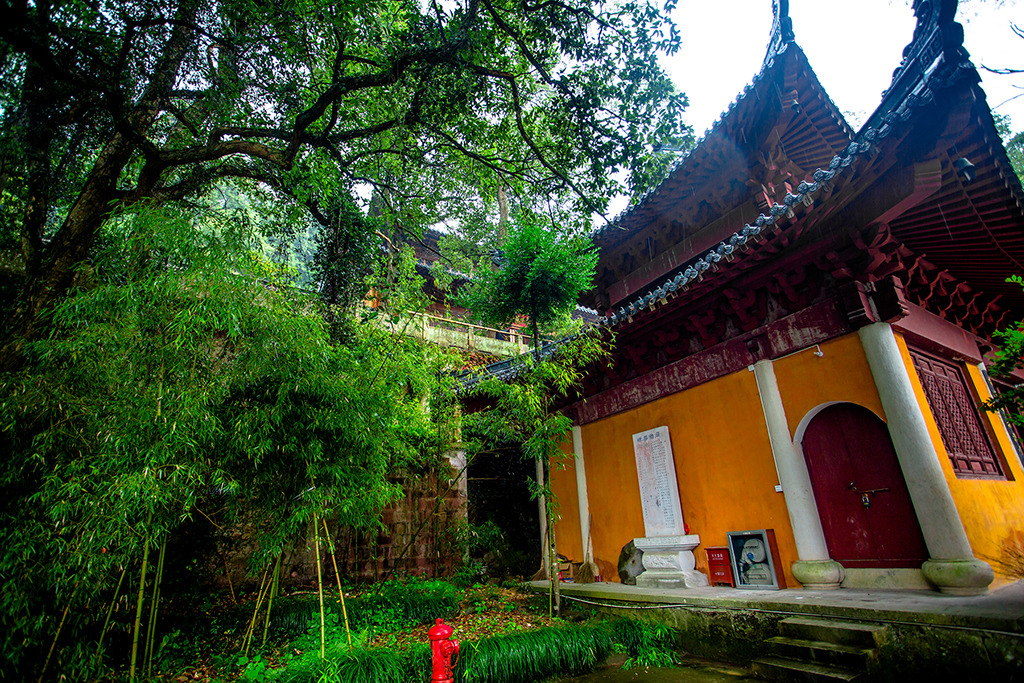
(755, 559)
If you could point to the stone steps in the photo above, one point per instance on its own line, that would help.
(779, 669)
(851, 633)
(814, 649)
(847, 656)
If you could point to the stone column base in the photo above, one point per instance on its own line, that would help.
(959, 577)
(669, 562)
(821, 575)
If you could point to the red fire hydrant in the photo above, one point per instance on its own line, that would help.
(442, 650)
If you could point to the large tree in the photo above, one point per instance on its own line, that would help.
(110, 104)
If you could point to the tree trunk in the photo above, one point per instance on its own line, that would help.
(542, 512)
(34, 121)
(74, 240)
(502, 213)
(553, 575)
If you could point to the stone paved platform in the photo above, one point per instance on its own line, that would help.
(1001, 609)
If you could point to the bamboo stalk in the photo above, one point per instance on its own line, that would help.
(154, 608)
(56, 636)
(341, 593)
(160, 390)
(231, 587)
(110, 611)
(247, 638)
(542, 519)
(138, 605)
(553, 568)
(556, 576)
(270, 598)
(320, 589)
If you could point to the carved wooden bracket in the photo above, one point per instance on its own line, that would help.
(873, 302)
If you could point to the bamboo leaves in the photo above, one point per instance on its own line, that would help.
(195, 385)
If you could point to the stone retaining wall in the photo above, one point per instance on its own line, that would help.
(907, 650)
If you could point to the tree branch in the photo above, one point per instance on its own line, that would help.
(517, 106)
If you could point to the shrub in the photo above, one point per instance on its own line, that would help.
(395, 606)
(647, 644)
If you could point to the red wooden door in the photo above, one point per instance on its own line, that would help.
(859, 487)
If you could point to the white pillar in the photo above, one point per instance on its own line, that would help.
(952, 567)
(814, 569)
(581, 495)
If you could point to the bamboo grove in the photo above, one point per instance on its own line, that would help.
(180, 384)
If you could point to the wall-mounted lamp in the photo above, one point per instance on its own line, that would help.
(965, 169)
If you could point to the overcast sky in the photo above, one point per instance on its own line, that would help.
(852, 45)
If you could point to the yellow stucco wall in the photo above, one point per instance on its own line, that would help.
(992, 511)
(840, 374)
(724, 467)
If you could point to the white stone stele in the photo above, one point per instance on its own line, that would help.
(659, 492)
(668, 550)
(669, 562)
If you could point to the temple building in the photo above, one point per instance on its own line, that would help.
(801, 316)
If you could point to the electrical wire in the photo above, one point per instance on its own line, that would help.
(899, 622)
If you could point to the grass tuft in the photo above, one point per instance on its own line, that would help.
(358, 665)
(534, 655)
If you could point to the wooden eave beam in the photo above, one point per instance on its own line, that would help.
(924, 181)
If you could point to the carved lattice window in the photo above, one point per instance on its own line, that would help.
(956, 414)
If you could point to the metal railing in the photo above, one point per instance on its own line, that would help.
(510, 335)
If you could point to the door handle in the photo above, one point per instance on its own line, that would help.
(865, 496)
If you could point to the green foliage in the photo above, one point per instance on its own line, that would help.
(483, 536)
(1013, 142)
(357, 665)
(648, 644)
(522, 413)
(343, 258)
(534, 655)
(401, 604)
(540, 276)
(522, 409)
(438, 106)
(1010, 357)
(364, 665)
(516, 657)
(395, 606)
(255, 670)
(175, 381)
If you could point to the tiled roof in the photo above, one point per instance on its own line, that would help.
(891, 113)
(781, 46)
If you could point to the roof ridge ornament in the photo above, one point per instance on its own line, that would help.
(782, 30)
(934, 58)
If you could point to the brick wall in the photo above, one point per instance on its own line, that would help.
(419, 537)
